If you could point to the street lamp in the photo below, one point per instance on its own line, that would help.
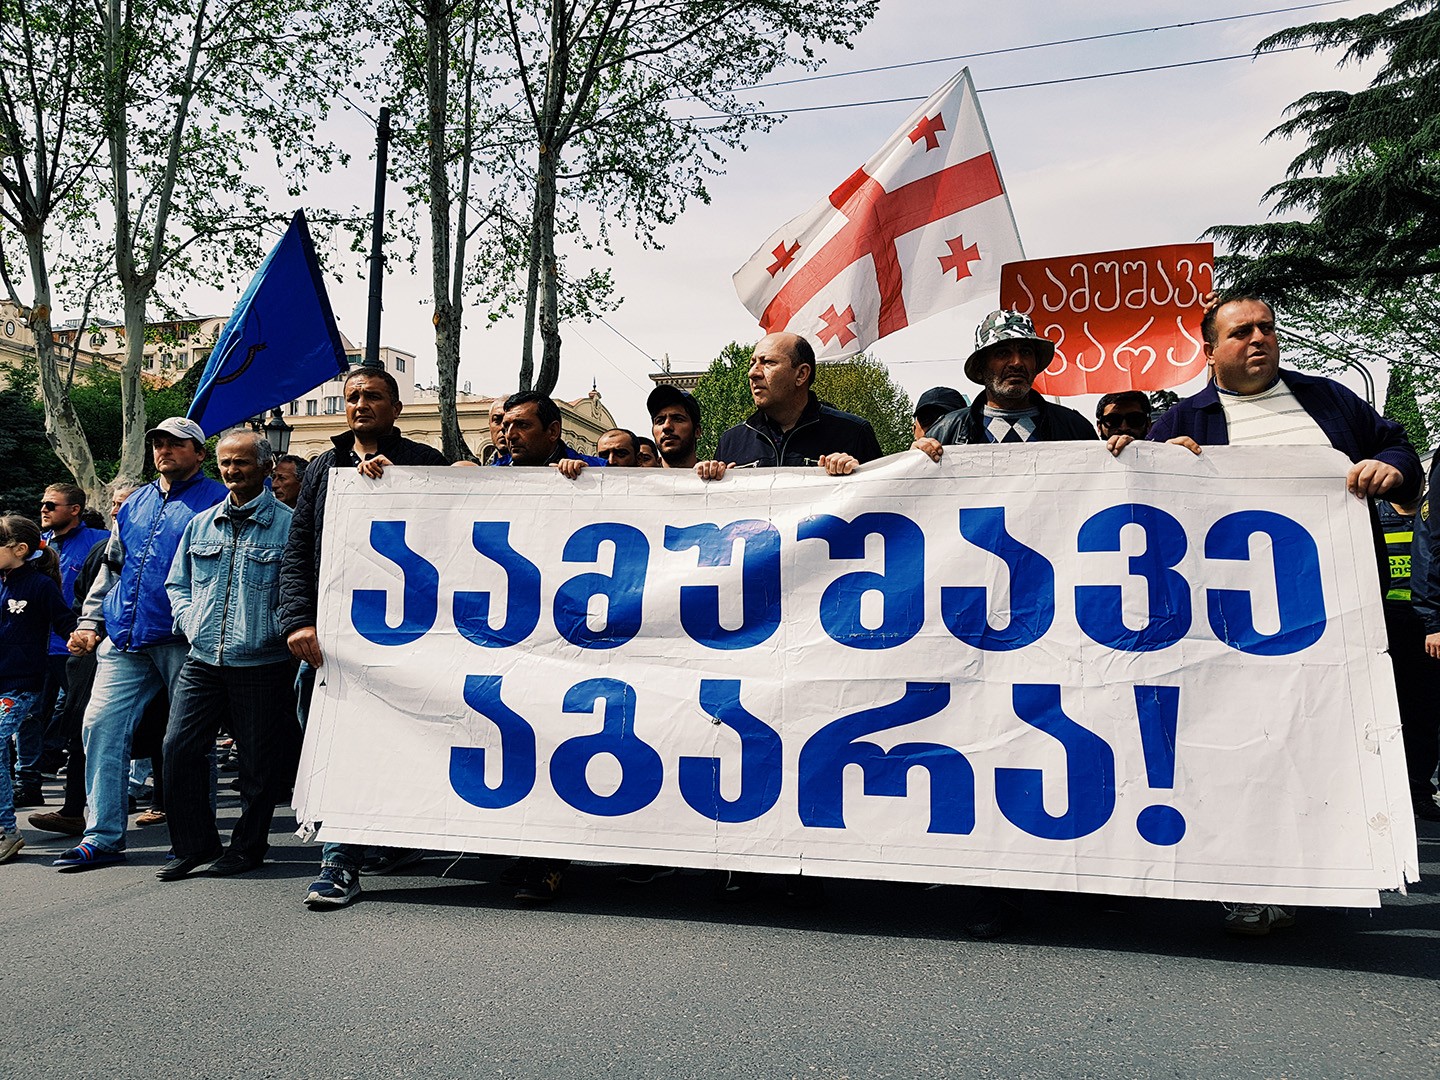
(278, 432)
(275, 431)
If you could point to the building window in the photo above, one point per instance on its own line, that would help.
(294, 407)
(399, 363)
(310, 404)
(332, 406)
(182, 361)
(148, 363)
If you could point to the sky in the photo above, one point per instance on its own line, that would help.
(1109, 163)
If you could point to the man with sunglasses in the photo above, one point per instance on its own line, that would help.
(1124, 413)
(37, 747)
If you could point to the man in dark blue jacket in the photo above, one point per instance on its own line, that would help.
(1251, 401)
(141, 653)
(790, 425)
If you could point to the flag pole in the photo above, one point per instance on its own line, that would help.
(377, 240)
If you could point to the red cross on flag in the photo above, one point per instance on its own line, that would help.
(923, 226)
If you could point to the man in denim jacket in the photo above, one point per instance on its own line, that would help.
(224, 588)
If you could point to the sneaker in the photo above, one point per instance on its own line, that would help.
(644, 875)
(1256, 920)
(335, 887)
(388, 860)
(151, 817)
(86, 856)
(10, 843)
(542, 888)
(59, 822)
(29, 795)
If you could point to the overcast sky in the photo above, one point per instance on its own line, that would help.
(1111, 163)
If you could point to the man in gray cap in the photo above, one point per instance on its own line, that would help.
(127, 615)
(1008, 355)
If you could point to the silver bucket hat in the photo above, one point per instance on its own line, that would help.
(1000, 327)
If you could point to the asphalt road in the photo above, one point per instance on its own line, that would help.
(435, 972)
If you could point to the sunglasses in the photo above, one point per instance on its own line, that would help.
(48, 505)
(1134, 420)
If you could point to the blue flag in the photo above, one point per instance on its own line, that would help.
(280, 342)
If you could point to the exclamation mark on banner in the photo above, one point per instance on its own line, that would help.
(1159, 711)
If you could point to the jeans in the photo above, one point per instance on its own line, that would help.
(30, 735)
(14, 708)
(343, 856)
(257, 703)
(125, 682)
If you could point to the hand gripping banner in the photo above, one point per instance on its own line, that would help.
(1032, 666)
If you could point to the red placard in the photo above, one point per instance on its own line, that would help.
(1121, 320)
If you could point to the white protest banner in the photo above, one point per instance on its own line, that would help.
(1031, 666)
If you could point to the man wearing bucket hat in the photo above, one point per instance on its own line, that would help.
(1008, 355)
(141, 654)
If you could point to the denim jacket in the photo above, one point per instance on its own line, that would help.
(224, 584)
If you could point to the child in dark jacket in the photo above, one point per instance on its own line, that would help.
(31, 605)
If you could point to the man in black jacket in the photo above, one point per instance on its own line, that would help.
(1008, 355)
(791, 426)
(372, 405)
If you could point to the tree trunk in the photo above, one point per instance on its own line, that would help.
(545, 184)
(438, 27)
(532, 294)
(62, 425)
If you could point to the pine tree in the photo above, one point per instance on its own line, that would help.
(1369, 177)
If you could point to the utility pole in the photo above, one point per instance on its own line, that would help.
(377, 241)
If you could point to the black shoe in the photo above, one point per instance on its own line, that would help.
(540, 889)
(1425, 809)
(29, 795)
(804, 893)
(183, 867)
(388, 860)
(234, 862)
(989, 915)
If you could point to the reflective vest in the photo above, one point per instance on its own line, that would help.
(1399, 532)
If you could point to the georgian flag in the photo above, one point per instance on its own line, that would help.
(923, 226)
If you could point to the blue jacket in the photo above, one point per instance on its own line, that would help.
(31, 607)
(150, 524)
(224, 584)
(72, 548)
(1352, 426)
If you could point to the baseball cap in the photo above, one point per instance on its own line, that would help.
(662, 396)
(936, 402)
(178, 427)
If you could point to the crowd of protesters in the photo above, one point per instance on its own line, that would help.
(193, 618)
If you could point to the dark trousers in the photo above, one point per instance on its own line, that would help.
(80, 677)
(257, 706)
(1417, 685)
